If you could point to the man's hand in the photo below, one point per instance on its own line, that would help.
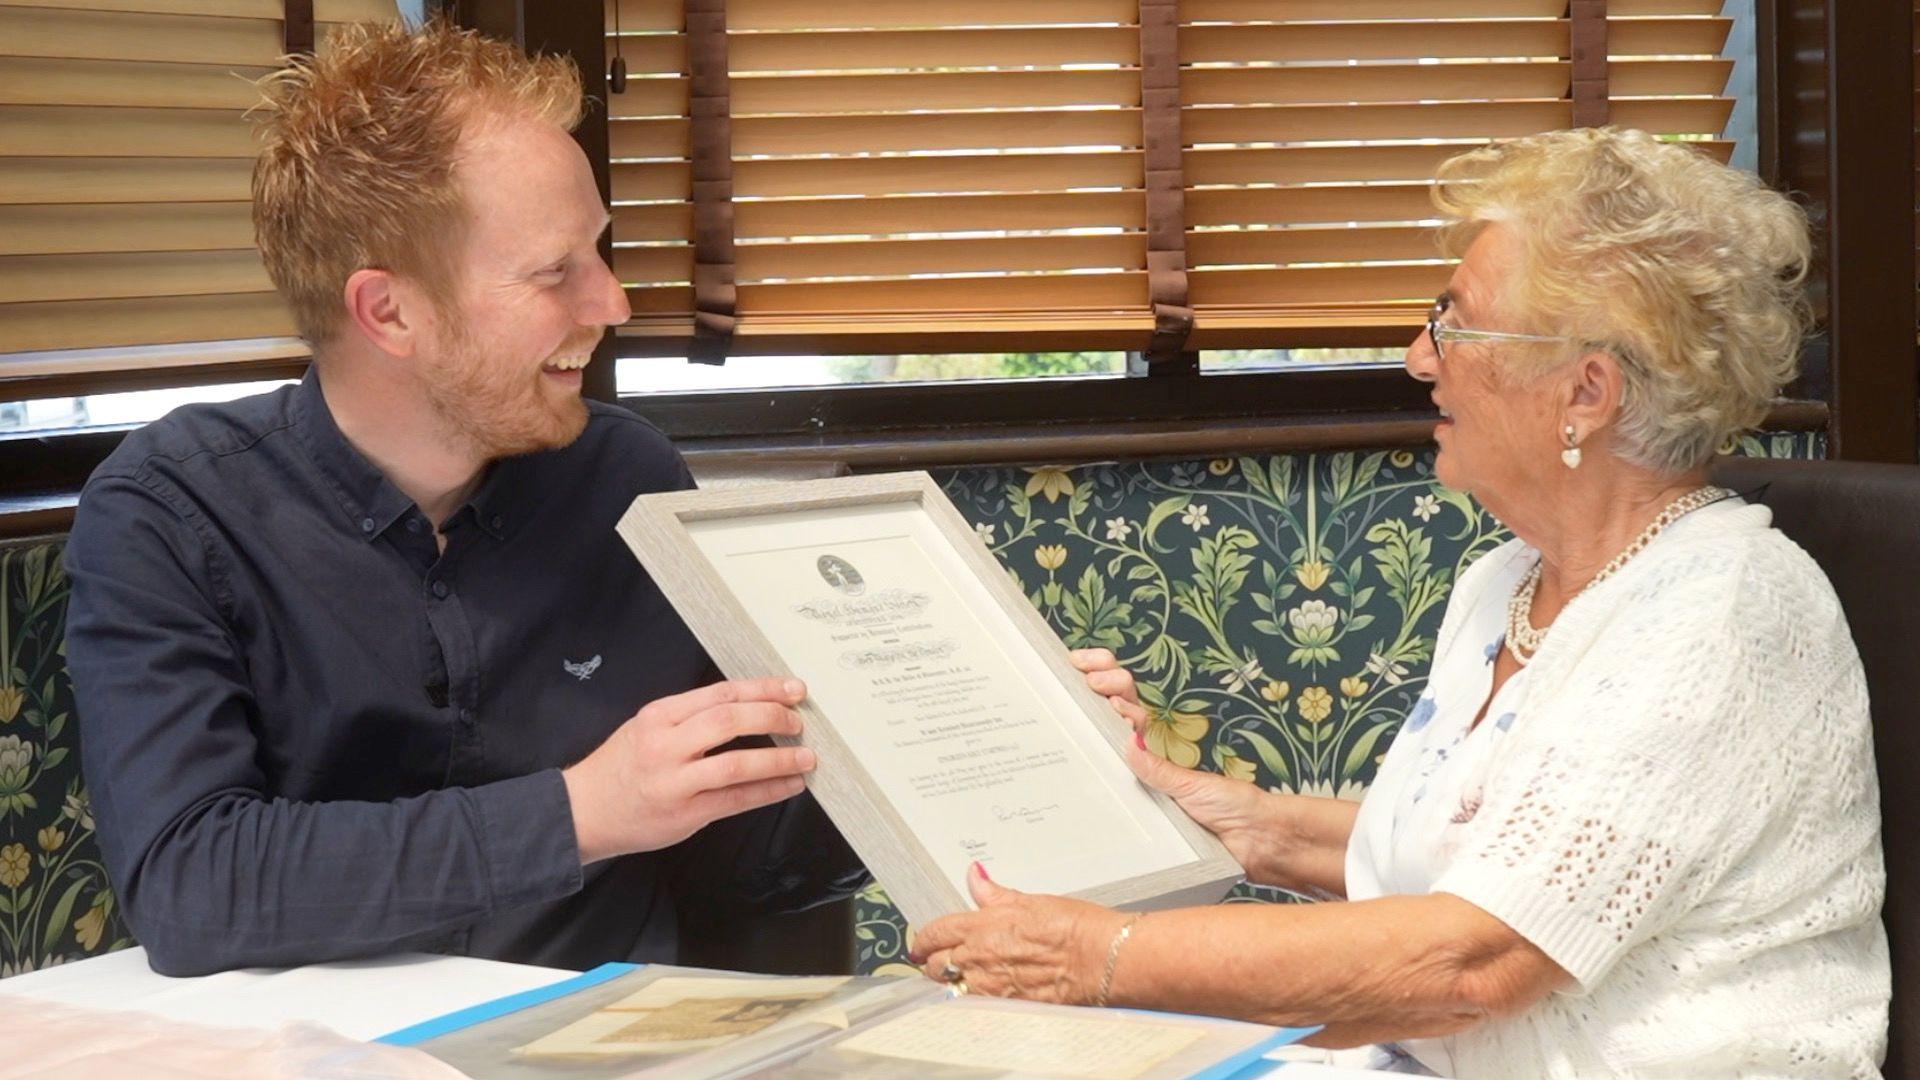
(655, 782)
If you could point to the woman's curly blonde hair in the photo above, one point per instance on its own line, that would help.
(1685, 270)
(357, 153)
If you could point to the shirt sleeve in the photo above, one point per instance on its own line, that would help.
(784, 857)
(1615, 810)
(213, 871)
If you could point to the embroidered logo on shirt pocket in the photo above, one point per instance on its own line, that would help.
(584, 669)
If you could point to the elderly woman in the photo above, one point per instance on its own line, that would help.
(1631, 827)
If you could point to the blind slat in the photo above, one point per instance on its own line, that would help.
(1318, 285)
(880, 133)
(793, 261)
(1245, 11)
(881, 14)
(1447, 120)
(113, 35)
(1384, 82)
(1373, 83)
(641, 16)
(77, 131)
(1028, 292)
(652, 180)
(956, 173)
(1209, 207)
(1046, 46)
(76, 324)
(944, 213)
(323, 10)
(44, 81)
(1414, 40)
(111, 180)
(125, 274)
(45, 230)
(890, 258)
(1280, 247)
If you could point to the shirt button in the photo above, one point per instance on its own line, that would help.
(366, 525)
(498, 521)
(440, 589)
(413, 525)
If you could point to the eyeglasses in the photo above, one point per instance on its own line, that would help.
(1439, 334)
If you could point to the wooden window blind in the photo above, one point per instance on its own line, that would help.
(920, 175)
(1313, 142)
(125, 169)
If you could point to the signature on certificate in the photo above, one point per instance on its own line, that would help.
(1028, 814)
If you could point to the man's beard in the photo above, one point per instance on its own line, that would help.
(500, 407)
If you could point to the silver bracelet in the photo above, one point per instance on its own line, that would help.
(1113, 957)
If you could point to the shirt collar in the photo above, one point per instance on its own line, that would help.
(369, 500)
(493, 504)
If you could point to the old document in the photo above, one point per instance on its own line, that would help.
(970, 737)
(678, 1014)
(1082, 1045)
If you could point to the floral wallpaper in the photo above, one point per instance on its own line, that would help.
(1278, 611)
(55, 905)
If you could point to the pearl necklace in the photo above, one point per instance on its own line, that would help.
(1523, 640)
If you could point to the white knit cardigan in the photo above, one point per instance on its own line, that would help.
(1686, 818)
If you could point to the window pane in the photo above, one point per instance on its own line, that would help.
(651, 375)
(1283, 359)
(127, 409)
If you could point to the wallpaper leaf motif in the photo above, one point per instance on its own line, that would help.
(1279, 612)
(55, 903)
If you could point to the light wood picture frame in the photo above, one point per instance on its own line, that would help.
(661, 530)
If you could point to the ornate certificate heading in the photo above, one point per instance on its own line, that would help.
(949, 722)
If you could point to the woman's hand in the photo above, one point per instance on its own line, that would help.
(1111, 681)
(1290, 841)
(1042, 948)
(1234, 810)
(1249, 821)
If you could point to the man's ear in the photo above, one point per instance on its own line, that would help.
(386, 310)
(1595, 387)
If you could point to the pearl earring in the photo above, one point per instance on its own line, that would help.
(1571, 455)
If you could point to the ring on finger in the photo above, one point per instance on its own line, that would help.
(951, 973)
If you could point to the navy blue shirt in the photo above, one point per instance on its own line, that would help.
(309, 735)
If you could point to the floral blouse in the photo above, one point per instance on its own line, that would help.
(1429, 785)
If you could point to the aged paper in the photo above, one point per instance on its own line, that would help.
(677, 1014)
(967, 733)
(1085, 1046)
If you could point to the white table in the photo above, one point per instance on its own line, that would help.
(361, 999)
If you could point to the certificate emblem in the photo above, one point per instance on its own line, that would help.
(840, 574)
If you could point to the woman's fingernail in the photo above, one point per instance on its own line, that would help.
(1139, 740)
(982, 871)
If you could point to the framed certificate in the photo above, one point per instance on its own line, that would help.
(949, 722)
